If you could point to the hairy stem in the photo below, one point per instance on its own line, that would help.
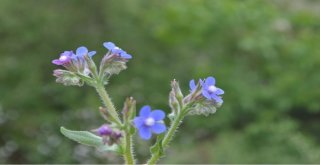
(167, 138)
(128, 153)
(108, 103)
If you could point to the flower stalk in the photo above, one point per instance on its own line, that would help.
(167, 138)
(108, 103)
(128, 153)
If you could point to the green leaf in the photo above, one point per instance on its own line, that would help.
(88, 138)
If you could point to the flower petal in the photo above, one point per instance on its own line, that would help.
(206, 94)
(145, 132)
(92, 53)
(109, 45)
(158, 128)
(57, 62)
(219, 91)
(81, 51)
(125, 55)
(210, 81)
(216, 98)
(192, 85)
(138, 121)
(157, 115)
(145, 111)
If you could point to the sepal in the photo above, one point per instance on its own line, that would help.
(67, 78)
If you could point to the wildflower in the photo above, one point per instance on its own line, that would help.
(116, 50)
(210, 91)
(149, 121)
(64, 58)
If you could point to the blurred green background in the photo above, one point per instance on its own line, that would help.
(264, 54)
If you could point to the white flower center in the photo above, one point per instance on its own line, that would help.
(149, 121)
(117, 48)
(212, 88)
(63, 58)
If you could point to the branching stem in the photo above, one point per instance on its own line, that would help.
(168, 137)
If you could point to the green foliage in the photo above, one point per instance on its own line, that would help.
(264, 54)
(87, 138)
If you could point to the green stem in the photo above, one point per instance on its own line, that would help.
(128, 153)
(168, 137)
(108, 103)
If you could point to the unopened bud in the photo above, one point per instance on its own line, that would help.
(91, 65)
(104, 130)
(176, 88)
(104, 113)
(173, 103)
(111, 64)
(67, 78)
(129, 109)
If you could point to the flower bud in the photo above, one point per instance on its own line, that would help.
(177, 91)
(173, 103)
(129, 109)
(104, 130)
(67, 78)
(104, 113)
(91, 66)
(203, 108)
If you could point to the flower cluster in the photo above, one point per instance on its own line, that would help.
(109, 135)
(209, 90)
(205, 96)
(80, 65)
(149, 122)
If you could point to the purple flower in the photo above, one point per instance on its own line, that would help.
(64, 58)
(116, 50)
(104, 130)
(209, 90)
(149, 121)
(81, 51)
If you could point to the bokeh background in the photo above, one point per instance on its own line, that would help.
(264, 54)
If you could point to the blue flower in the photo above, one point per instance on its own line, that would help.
(210, 91)
(149, 121)
(81, 51)
(116, 50)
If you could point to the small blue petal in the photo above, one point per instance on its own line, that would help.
(109, 45)
(219, 91)
(192, 85)
(206, 94)
(158, 128)
(217, 98)
(145, 111)
(210, 81)
(81, 51)
(157, 115)
(145, 132)
(126, 55)
(138, 122)
(92, 53)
